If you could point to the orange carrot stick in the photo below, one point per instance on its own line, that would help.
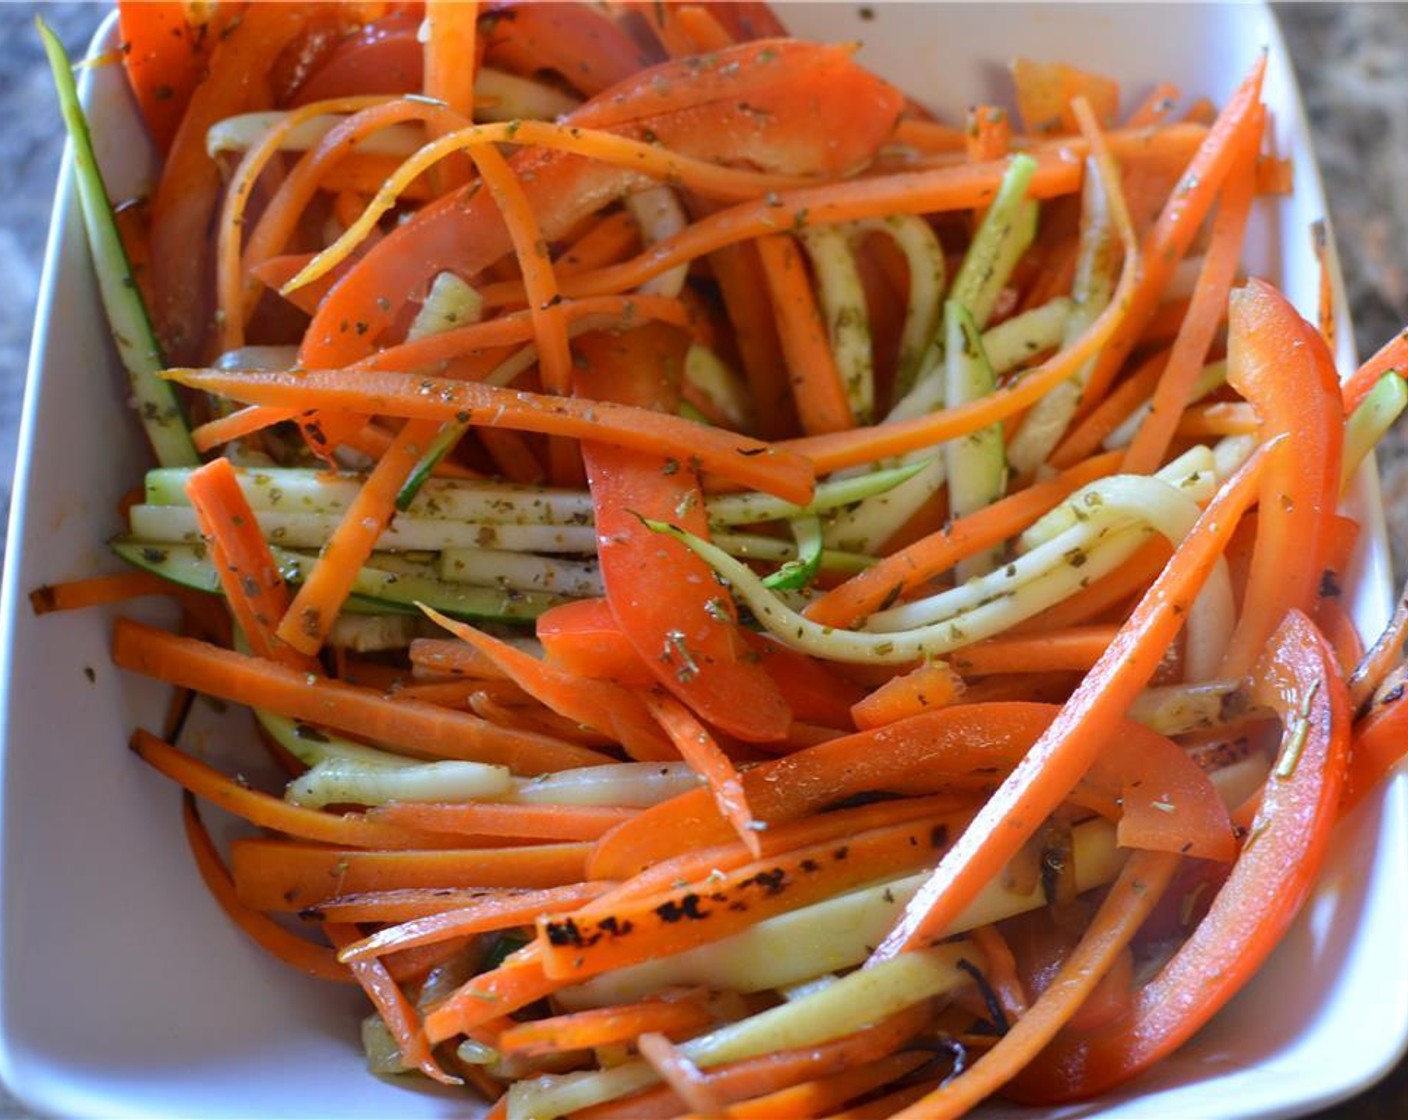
(606, 1026)
(615, 932)
(288, 875)
(98, 591)
(538, 822)
(314, 960)
(521, 908)
(450, 56)
(816, 382)
(1237, 128)
(748, 462)
(1087, 435)
(1205, 313)
(405, 904)
(1043, 652)
(931, 685)
(395, 1009)
(259, 808)
(421, 728)
(308, 620)
(600, 705)
(698, 748)
(254, 587)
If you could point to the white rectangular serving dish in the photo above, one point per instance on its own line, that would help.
(125, 992)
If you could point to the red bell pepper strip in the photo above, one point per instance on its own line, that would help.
(664, 598)
(1380, 742)
(1086, 725)
(384, 56)
(190, 184)
(1272, 877)
(787, 106)
(1167, 802)
(165, 57)
(1279, 363)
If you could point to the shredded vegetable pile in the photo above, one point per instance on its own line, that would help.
(770, 605)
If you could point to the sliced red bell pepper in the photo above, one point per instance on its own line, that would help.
(1380, 742)
(1279, 861)
(165, 57)
(1279, 363)
(1168, 803)
(665, 599)
(383, 57)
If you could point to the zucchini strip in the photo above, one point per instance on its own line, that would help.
(137, 345)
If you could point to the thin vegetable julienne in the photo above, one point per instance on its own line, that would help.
(927, 729)
(1061, 757)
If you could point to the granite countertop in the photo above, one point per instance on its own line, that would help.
(1349, 58)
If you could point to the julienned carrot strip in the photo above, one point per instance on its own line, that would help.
(771, 1073)
(1392, 357)
(536, 717)
(539, 280)
(606, 1026)
(705, 757)
(266, 811)
(606, 242)
(749, 307)
(521, 908)
(660, 867)
(1051, 649)
(97, 591)
(450, 56)
(827, 1093)
(404, 904)
(700, 24)
(306, 623)
(1000, 970)
(512, 986)
(693, 853)
(306, 957)
(233, 291)
(1140, 885)
(1221, 418)
(1131, 578)
(280, 218)
(443, 656)
(602, 706)
(1235, 130)
(1090, 432)
(1045, 91)
(254, 588)
(396, 1011)
(922, 689)
(817, 391)
(929, 136)
(904, 570)
(989, 133)
(420, 728)
(1155, 107)
(517, 326)
(539, 822)
(748, 462)
(1060, 758)
(1205, 313)
(288, 875)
